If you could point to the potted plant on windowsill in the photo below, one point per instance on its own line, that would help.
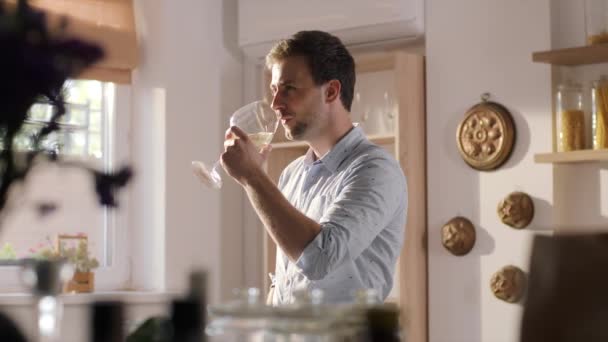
(76, 255)
(84, 277)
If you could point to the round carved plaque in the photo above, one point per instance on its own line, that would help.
(486, 135)
(458, 235)
(508, 284)
(516, 210)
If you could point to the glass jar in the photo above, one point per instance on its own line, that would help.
(596, 24)
(599, 113)
(45, 278)
(569, 117)
(243, 319)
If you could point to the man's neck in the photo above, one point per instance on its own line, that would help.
(328, 139)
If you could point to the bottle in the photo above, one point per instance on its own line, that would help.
(198, 291)
(599, 113)
(188, 314)
(570, 117)
(107, 322)
(596, 25)
(383, 323)
(186, 319)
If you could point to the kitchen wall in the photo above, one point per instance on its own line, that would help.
(187, 85)
(477, 46)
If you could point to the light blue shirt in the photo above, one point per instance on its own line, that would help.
(358, 194)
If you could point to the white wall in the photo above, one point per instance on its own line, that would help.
(472, 47)
(187, 85)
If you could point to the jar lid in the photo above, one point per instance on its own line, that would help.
(569, 85)
(603, 79)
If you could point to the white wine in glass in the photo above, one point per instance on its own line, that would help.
(258, 121)
(261, 139)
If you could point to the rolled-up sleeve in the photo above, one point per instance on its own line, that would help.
(370, 194)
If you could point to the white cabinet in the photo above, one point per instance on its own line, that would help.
(262, 22)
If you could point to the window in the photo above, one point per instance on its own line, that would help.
(82, 127)
(88, 133)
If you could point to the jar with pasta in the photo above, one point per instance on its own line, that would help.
(596, 25)
(569, 117)
(599, 113)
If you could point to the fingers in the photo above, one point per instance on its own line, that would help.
(239, 133)
(265, 152)
(228, 134)
(228, 142)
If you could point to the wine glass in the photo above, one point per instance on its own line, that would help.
(258, 121)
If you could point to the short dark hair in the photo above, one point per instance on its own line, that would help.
(328, 59)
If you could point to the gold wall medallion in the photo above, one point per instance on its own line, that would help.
(458, 235)
(516, 210)
(486, 135)
(508, 284)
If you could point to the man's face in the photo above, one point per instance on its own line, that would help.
(296, 99)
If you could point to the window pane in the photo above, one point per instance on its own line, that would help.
(75, 143)
(95, 147)
(81, 92)
(41, 112)
(95, 121)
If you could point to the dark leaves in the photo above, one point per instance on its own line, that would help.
(106, 184)
(34, 65)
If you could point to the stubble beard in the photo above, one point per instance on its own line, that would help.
(304, 127)
(297, 132)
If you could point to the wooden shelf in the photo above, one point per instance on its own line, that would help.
(592, 54)
(376, 139)
(288, 144)
(381, 139)
(583, 156)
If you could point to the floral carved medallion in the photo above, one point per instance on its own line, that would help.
(508, 284)
(486, 136)
(458, 235)
(516, 210)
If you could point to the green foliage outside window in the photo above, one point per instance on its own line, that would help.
(7, 252)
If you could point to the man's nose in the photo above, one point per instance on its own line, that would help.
(277, 101)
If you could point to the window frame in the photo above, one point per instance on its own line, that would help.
(117, 274)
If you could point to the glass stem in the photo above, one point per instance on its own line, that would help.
(215, 174)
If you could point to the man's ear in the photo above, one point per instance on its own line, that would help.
(332, 91)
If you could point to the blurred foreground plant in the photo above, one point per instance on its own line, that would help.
(35, 62)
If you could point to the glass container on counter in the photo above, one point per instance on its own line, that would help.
(599, 113)
(596, 21)
(45, 278)
(308, 319)
(243, 319)
(569, 117)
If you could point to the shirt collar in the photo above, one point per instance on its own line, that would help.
(332, 159)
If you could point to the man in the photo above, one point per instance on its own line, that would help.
(338, 213)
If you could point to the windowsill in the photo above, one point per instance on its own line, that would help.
(127, 297)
